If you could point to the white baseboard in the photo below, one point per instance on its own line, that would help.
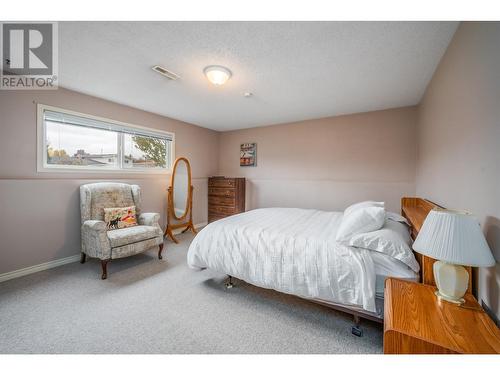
(39, 267)
(59, 262)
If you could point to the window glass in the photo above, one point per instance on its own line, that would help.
(144, 152)
(79, 146)
(73, 141)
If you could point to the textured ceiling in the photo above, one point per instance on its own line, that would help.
(296, 70)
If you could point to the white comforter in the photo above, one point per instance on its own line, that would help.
(291, 250)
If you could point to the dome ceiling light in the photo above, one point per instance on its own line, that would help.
(216, 74)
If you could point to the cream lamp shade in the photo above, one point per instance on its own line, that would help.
(455, 239)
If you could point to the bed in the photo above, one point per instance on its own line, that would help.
(295, 251)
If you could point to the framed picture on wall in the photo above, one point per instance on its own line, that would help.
(248, 155)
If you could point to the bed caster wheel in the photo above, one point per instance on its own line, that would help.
(229, 283)
(357, 331)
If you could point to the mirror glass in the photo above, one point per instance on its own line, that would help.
(180, 189)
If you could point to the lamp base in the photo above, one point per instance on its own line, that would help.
(459, 301)
(451, 280)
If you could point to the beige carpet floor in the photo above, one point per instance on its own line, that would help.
(152, 306)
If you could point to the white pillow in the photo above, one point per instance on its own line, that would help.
(393, 239)
(396, 217)
(356, 206)
(361, 220)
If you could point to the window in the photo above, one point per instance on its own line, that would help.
(74, 141)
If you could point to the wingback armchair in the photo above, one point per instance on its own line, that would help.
(97, 241)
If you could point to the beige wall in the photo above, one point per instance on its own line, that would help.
(327, 163)
(40, 218)
(459, 137)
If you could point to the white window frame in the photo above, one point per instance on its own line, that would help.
(43, 166)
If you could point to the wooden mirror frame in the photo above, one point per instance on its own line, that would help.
(174, 222)
(172, 184)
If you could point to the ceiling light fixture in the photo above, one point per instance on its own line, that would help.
(217, 74)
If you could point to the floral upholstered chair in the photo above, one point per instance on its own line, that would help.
(98, 241)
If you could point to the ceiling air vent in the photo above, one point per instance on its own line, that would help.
(165, 72)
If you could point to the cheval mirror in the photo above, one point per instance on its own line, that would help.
(180, 199)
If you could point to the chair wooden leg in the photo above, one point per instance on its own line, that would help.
(159, 251)
(104, 265)
(83, 257)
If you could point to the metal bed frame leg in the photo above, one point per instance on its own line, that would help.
(229, 282)
(356, 330)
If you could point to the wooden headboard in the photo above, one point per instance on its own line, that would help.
(415, 210)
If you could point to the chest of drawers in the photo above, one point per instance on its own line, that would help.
(226, 197)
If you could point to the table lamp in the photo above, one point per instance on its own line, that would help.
(455, 239)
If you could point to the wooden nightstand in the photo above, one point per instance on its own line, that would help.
(416, 321)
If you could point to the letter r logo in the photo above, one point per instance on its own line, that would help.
(27, 49)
